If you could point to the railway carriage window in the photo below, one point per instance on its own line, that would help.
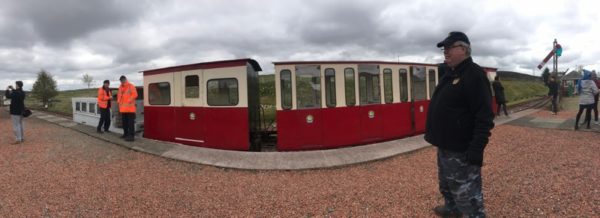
(77, 106)
(388, 92)
(222, 92)
(93, 108)
(349, 86)
(431, 82)
(192, 86)
(159, 93)
(286, 89)
(419, 88)
(403, 85)
(308, 86)
(330, 87)
(368, 86)
(83, 107)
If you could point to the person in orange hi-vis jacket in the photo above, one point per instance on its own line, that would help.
(126, 98)
(104, 103)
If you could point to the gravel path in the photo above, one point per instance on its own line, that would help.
(62, 173)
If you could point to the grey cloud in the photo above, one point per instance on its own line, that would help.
(59, 22)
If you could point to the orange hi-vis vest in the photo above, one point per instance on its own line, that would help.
(126, 98)
(103, 98)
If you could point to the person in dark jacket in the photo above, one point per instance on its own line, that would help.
(17, 106)
(553, 93)
(499, 92)
(459, 121)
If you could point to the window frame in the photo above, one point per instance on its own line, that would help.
(318, 93)
(185, 86)
(157, 84)
(329, 93)
(222, 79)
(353, 93)
(282, 89)
(388, 94)
(403, 81)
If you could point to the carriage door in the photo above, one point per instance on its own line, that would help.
(369, 87)
(418, 80)
(189, 127)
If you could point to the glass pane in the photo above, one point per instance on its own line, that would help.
(419, 88)
(159, 93)
(93, 108)
(77, 106)
(286, 89)
(308, 86)
(431, 82)
(349, 86)
(330, 87)
(192, 86)
(83, 106)
(222, 92)
(403, 85)
(369, 88)
(387, 86)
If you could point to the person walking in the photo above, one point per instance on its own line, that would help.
(459, 121)
(17, 106)
(595, 106)
(104, 103)
(126, 99)
(499, 92)
(553, 93)
(586, 89)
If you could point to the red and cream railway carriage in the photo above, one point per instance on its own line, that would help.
(329, 104)
(320, 104)
(212, 104)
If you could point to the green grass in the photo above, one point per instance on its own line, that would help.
(517, 91)
(62, 102)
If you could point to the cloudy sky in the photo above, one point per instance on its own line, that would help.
(108, 38)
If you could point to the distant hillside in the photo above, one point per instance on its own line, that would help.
(504, 75)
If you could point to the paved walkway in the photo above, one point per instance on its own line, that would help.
(564, 120)
(264, 160)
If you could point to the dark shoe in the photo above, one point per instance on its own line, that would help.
(129, 139)
(108, 131)
(123, 136)
(443, 211)
(99, 131)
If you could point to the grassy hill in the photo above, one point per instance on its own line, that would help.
(61, 104)
(521, 90)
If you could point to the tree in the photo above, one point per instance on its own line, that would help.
(546, 75)
(44, 87)
(88, 80)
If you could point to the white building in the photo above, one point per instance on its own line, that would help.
(86, 111)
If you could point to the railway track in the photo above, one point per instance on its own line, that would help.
(538, 102)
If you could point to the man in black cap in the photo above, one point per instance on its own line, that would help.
(459, 121)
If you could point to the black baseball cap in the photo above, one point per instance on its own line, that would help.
(122, 78)
(453, 37)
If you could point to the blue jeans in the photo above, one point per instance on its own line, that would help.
(17, 122)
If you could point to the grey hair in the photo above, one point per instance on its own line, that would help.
(466, 46)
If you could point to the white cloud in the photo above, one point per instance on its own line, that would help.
(111, 38)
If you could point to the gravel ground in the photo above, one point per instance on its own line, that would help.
(62, 173)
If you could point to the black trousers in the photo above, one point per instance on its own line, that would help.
(554, 106)
(588, 116)
(104, 119)
(128, 124)
(595, 107)
(503, 106)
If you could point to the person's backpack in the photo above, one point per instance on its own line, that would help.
(26, 112)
